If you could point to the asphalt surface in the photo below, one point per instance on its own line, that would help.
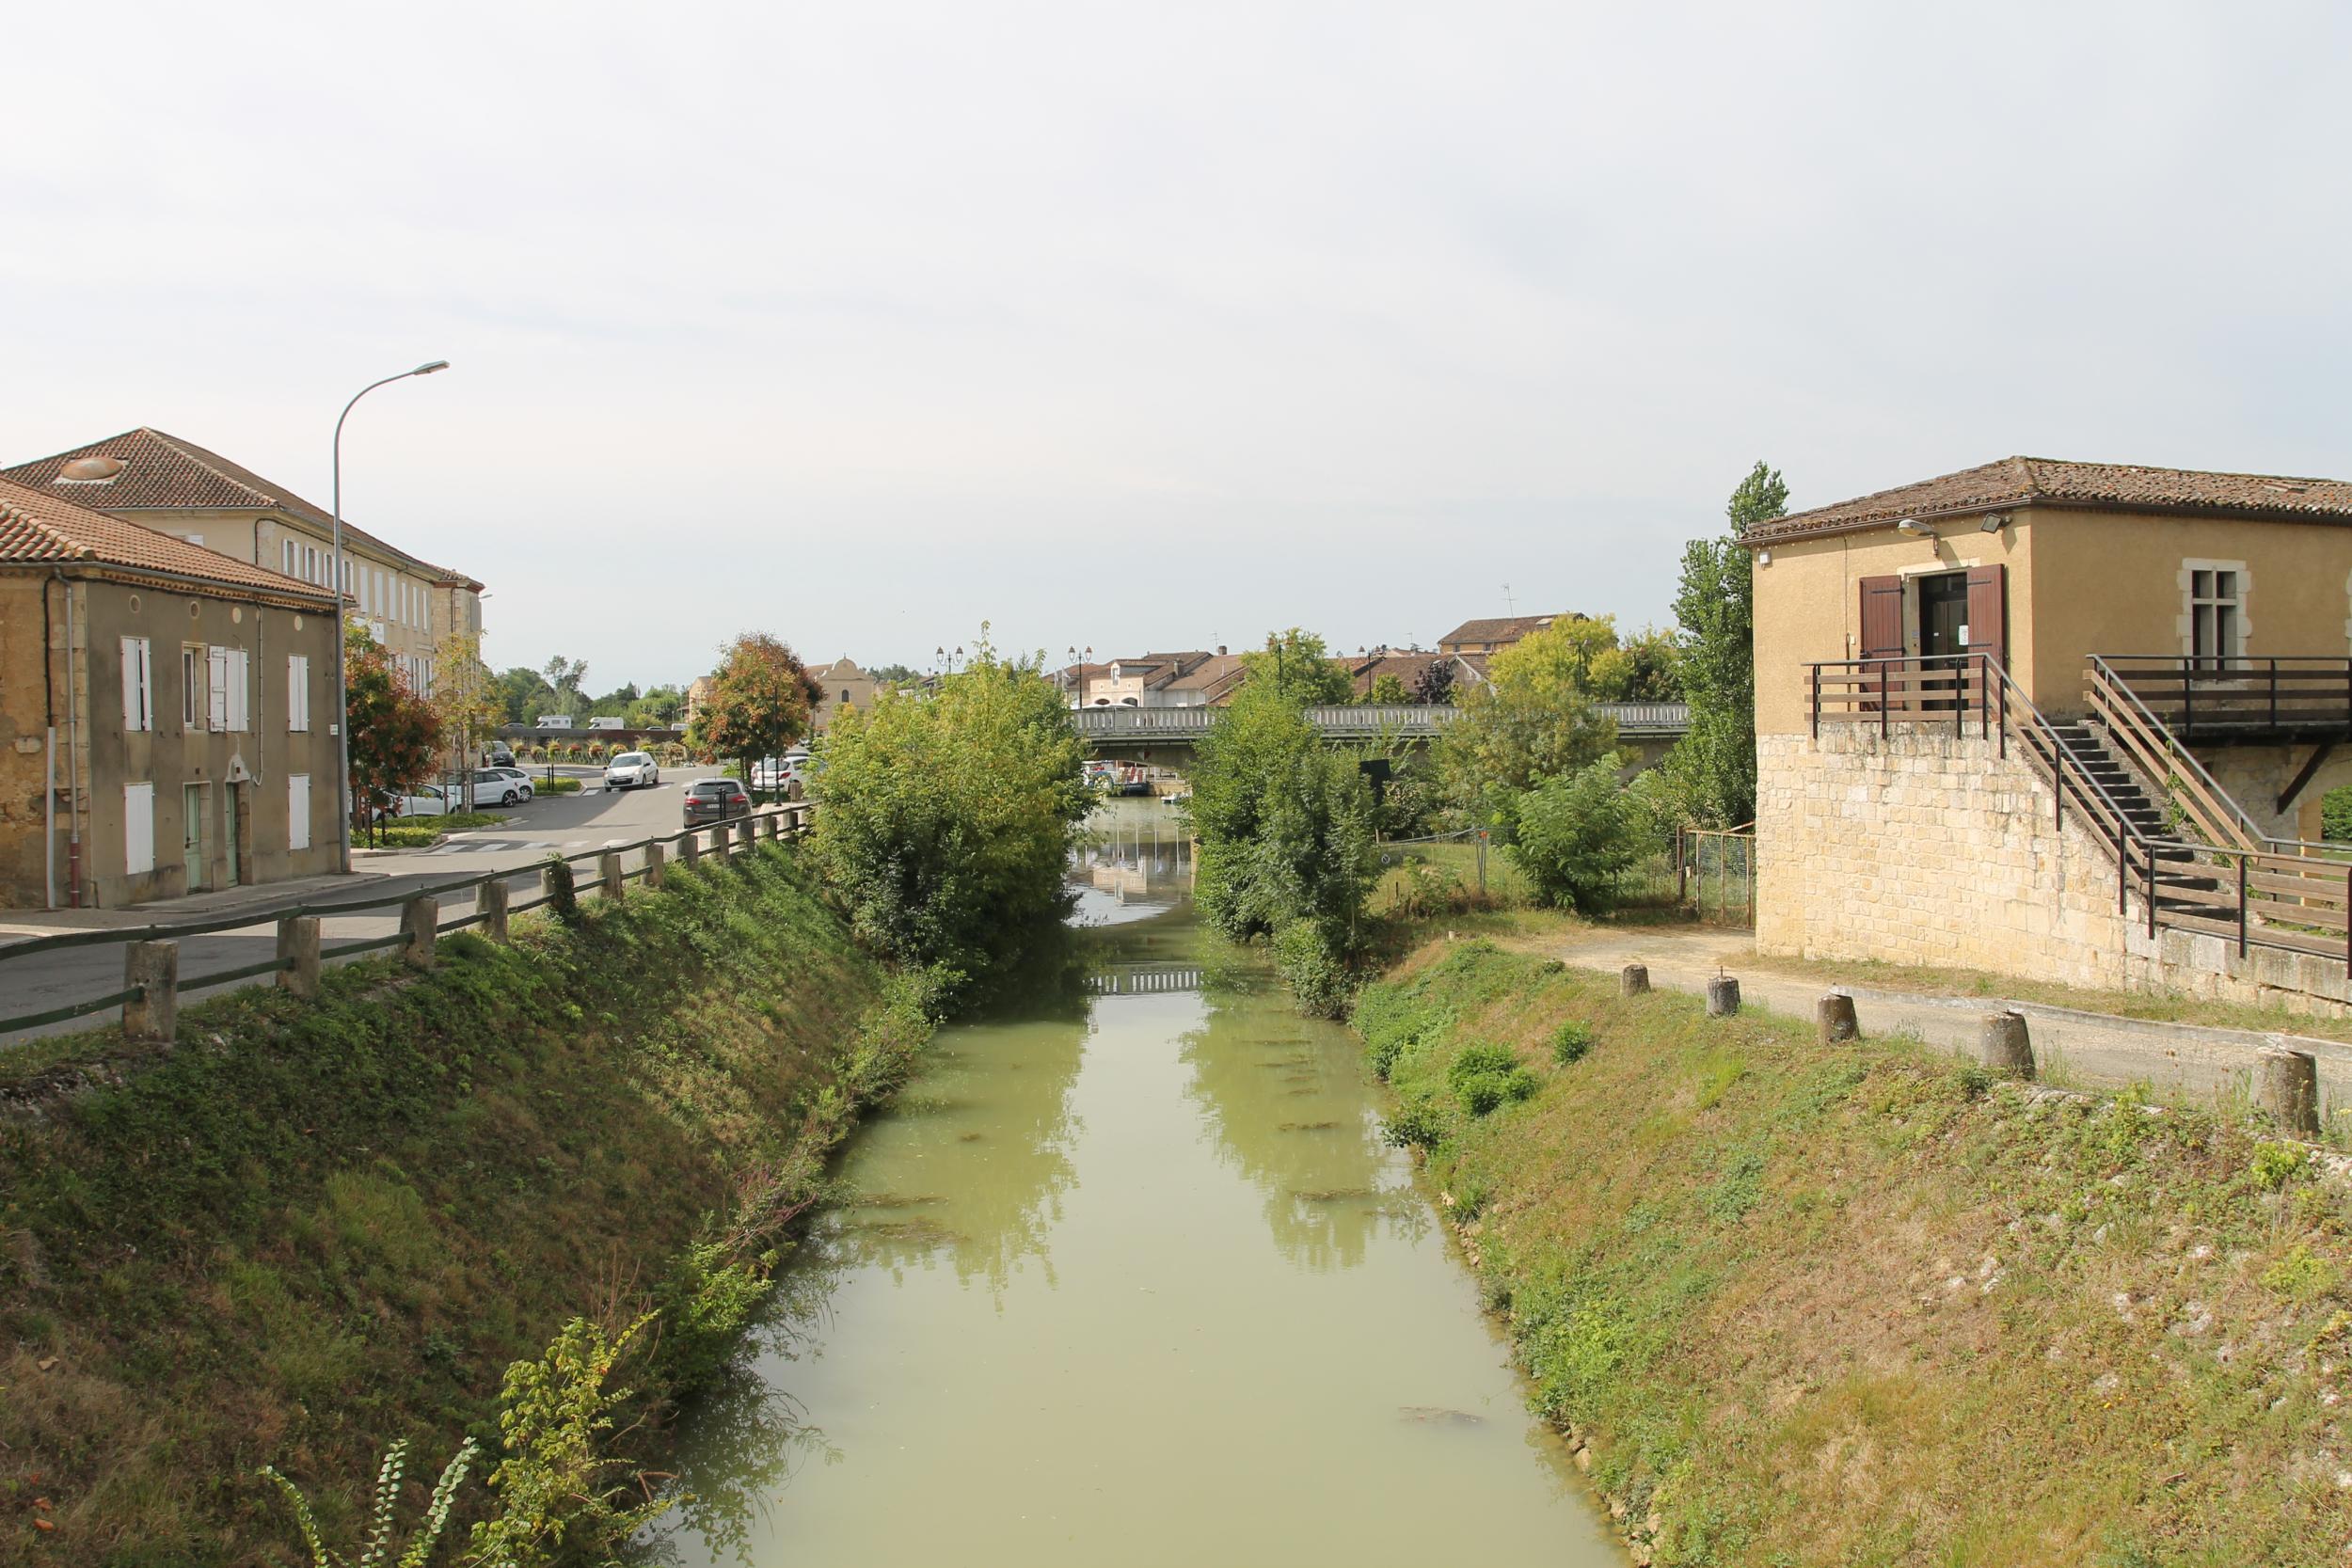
(563, 824)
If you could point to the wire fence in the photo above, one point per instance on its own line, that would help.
(1715, 872)
(789, 820)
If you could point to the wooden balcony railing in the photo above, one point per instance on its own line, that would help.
(2240, 698)
(1957, 691)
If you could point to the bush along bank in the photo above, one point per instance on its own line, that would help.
(538, 1188)
(1797, 1304)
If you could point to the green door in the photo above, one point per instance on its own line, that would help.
(236, 830)
(191, 804)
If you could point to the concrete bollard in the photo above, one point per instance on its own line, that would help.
(654, 859)
(2287, 1083)
(689, 849)
(1834, 1014)
(152, 1016)
(298, 952)
(1633, 980)
(2005, 1045)
(493, 900)
(420, 921)
(747, 833)
(1723, 996)
(609, 875)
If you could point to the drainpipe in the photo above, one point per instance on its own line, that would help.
(74, 747)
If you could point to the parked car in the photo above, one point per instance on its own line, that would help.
(497, 754)
(715, 801)
(631, 770)
(423, 801)
(499, 786)
(775, 775)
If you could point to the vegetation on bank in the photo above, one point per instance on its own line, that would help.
(947, 820)
(539, 1188)
(1862, 1304)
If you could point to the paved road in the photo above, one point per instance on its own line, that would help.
(564, 824)
(2198, 1060)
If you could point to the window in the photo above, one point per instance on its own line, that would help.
(285, 557)
(138, 829)
(2216, 618)
(191, 686)
(298, 694)
(138, 693)
(297, 810)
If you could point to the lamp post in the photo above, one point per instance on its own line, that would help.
(342, 694)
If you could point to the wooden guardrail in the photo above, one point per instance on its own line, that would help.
(2149, 744)
(2236, 696)
(144, 995)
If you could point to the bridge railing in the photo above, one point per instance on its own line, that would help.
(1354, 718)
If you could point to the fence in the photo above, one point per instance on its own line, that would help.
(152, 981)
(1715, 872)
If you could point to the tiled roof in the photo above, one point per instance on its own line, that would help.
(37, 529)
(1408, 666)
(2127, 487)
(1501, 628)
(160, 472)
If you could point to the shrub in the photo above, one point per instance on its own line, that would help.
(1417, 1123)
(1486, 1075)
(563, 895)
(558, 1488)
(558, 786)
(1571, 1042)
(2275, 1164)
(1575, 837)
(1313, 967)
(947, 821)
(380, 1540)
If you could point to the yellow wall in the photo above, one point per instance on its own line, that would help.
(1808, 603)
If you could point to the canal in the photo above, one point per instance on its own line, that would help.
(1128, 1276)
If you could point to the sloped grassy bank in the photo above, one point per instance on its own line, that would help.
(1861, 1303)
(311, 1229)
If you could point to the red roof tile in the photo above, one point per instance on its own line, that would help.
(2125, 486)
(37, 529)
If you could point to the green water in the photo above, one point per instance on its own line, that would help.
(1132, 1280)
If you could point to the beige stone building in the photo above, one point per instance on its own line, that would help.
(2061, 720)
(844, 686)
(164, 713)
(177, 487)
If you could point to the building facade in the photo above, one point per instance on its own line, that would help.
(174, 486)
(844, 685)
(169, 712)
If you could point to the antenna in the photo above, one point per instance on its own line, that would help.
(1509, 603)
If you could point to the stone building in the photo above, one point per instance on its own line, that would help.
(167, 712)
(2064, 721)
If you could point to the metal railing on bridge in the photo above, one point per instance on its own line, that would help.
(1357, 720)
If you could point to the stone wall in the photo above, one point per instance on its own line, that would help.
(1921, 846)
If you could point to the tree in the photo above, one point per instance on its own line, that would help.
(895, 675)
(1576, 836)
(563, 677)
(1388, 690)
(1533, 720)
(526, 694)
(1435, 684)
(759, 704)
(1644, 668)
(1713, 766)
(392, 729)
(465, 697)
(1296, 664)
(948, 819)
(1286, 842)
(658, 708)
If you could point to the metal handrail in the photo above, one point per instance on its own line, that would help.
(2174, 750)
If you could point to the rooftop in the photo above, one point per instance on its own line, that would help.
(147, 469)
(39, 528)
(1500, 629)
(2015, 482)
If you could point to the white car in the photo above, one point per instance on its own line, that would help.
(773, 775)
(499, 786)
(631, 770)
(423, 801)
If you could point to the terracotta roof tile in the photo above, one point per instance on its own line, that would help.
(37, 529)
(2027, 480)
(161, 471)
(1500, 629)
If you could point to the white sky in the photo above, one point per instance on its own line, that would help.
(1150, 326)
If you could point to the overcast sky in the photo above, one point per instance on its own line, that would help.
(1147, 326)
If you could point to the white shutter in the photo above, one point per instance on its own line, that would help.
(240, 690)
(297, 810)
(298, 692)
(138, 829)
(216, 707)
(138, 711)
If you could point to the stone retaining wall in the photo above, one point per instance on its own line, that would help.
(1920, 847)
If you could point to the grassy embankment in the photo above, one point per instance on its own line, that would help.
(1863, 1305)
(313, 1228)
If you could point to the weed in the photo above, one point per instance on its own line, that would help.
(1571, 1042)
(2275, 1164)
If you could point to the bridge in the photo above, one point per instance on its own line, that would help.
(1161, 733)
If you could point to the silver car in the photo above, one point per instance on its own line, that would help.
(631, 770)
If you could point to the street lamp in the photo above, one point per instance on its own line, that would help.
(342, 694)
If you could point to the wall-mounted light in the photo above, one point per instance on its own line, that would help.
(1763, 558)
(1913, 526)
(1994, 522)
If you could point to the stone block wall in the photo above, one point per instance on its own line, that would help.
(1921, 846)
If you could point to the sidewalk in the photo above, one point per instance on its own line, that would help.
(2095, 1047)
(259, 900)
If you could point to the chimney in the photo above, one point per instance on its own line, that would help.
(1220, 650)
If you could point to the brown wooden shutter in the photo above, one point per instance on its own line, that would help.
(1988, 612)
(1882, 618)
